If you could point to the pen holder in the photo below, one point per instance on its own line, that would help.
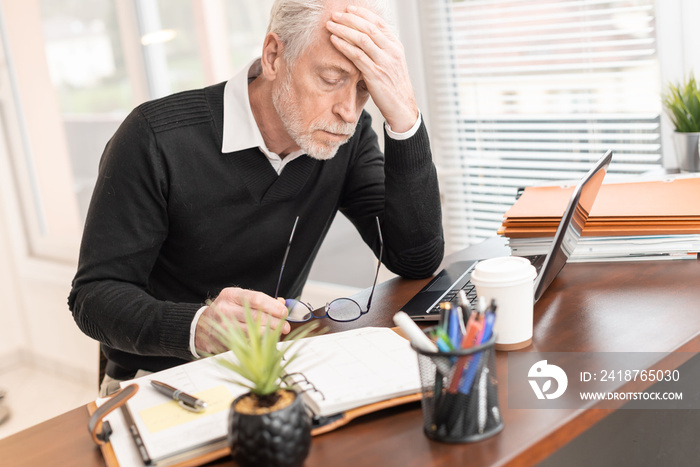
(460, 393)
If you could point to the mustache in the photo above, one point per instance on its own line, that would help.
(339, 128)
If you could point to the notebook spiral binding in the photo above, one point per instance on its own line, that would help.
(300, 381)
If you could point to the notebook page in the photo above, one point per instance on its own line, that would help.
(355, 368)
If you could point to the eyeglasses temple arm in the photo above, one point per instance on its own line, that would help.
(379, 264)
(284, 259)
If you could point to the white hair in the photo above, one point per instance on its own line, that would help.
(296, 22)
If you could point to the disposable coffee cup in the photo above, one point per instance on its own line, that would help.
(510, 281)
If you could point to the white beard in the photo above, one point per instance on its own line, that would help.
(285, 102)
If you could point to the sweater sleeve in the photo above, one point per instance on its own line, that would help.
(126, 225)
(401, 187)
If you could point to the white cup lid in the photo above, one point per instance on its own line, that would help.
(503, 271)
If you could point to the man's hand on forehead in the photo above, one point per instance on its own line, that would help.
(366, 40)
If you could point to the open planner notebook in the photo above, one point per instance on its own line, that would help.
(342, 371)
(342, 376)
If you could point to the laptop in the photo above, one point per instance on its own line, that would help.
(445, 286)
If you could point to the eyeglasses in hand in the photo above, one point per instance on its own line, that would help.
(340, 309)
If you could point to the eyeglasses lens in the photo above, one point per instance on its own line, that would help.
(298, 311)
(343, 309)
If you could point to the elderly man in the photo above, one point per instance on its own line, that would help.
(197, 192)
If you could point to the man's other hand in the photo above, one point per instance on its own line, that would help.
(230, 305)
(366, 40)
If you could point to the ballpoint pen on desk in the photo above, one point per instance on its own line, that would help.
(447, 333)
(185, 400)
(454, 324)
(474, 327)
(489, 320)
(484, 335)
(136, 435)
(465, 307)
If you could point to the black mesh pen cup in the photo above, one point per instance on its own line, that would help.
(460, 393)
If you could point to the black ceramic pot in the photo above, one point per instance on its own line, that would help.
(276, 439)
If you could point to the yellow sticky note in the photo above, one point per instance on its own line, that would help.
(171, 414)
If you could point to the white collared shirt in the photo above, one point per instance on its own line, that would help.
(240, 129)
(242, 132)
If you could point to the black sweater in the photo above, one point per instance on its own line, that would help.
(172, 221)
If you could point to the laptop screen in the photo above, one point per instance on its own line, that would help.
(571, 225)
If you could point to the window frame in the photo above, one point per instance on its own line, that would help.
(33, 139)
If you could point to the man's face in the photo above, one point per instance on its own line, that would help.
(320, 99)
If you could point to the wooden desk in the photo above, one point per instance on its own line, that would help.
(647, 306)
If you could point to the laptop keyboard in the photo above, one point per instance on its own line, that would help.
(452, 295)
(470, 290)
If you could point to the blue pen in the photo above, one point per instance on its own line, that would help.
(488, 326)
(470, 372)
(454, 330)
(456, 334)
(492, 313)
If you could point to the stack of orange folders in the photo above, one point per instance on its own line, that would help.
(629, 220)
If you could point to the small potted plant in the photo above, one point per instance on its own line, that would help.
(682, 104)
(269, 424)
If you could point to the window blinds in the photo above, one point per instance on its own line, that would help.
(529, 91)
